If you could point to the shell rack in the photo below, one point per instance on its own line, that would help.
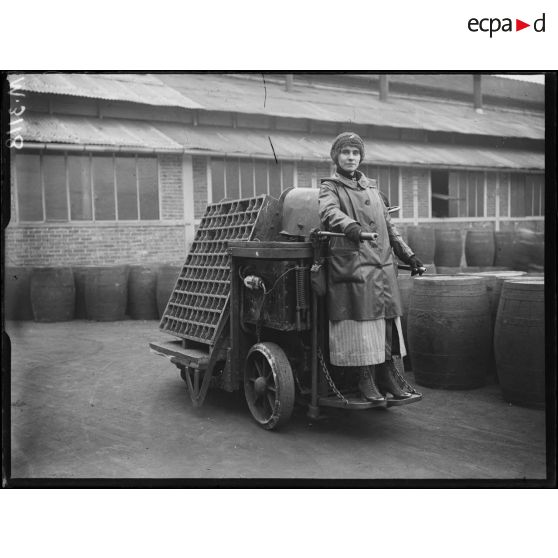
(199, 304)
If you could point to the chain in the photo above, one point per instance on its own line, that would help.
(330, 379)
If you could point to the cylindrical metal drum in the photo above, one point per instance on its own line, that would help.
(142, 303)
(422, 241)
(166, 280)
(449, 332)
(519, 342)
(480, 247)
(17, 297)
(504, 252)
(449, 247)
(106, 290)
(52, 294)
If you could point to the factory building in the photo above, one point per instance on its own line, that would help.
(118, 168)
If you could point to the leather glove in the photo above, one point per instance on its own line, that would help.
(415, 264)
(353, 231)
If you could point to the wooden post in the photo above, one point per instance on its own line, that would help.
(477, 89)
(288, 82)
(384, 87)
(188, 193)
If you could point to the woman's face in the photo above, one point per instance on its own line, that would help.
(349, 158)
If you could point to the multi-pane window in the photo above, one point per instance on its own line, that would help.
(388, 180)
(68, 187)
(466, 194)
(526, 195)
(233, 178)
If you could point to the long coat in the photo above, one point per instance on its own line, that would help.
(362, 281)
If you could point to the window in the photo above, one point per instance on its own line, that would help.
(466, 194)
(526, 195)
(388, 180)
(440, 198)
(68, 187)
(233, 178)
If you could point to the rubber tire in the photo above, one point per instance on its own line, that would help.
(283, 382)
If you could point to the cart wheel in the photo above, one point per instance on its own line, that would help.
(269, 385)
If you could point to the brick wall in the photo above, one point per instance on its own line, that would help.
(171, 189)
(69, 244)
(199, 165)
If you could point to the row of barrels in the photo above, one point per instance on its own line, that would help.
(522, 249)
(461, 329)
(101, 293)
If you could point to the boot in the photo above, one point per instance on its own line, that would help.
(390, 380)
(367, 385)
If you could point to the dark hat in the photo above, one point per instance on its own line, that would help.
(344, 139)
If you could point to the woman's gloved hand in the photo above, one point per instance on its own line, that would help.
(353, 231)
(416, 266)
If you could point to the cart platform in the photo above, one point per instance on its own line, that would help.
(186, 356)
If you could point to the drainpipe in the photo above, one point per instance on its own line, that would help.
(288, 82)
(384, 87)
(477, 90)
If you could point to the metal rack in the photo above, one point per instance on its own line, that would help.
(199, 302)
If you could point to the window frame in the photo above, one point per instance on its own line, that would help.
(89, 155)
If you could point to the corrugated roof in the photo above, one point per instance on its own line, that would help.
(250, 94)
(113, 133)
(237, 94)
(137, 88)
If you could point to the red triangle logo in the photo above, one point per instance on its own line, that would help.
(519, 25)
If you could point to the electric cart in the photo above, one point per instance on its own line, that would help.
(244, 314)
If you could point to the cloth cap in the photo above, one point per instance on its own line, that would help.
(344, 139)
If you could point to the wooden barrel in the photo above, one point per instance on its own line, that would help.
(405, 283)
(17, 297)
(52, 294)
(482, 268)
(106, 291)
(442, 270)
(494, 281)
(142, 303)
(449, 332)
(504, 251)
(449, 248)
(422, 241)
(519, 342)
(528, 250)
(480, 247)
(80, 275)
(167, 275)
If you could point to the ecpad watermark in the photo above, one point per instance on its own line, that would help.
(494, 25)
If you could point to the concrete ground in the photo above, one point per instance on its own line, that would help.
(90, 401)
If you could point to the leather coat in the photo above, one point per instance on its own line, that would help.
(362, 279)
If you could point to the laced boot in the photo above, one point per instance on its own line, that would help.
(391, 381)
(367, 386)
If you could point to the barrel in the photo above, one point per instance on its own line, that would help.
(528, 250)
(483, 268)
(142, 303)
(519, 342)
(422, 241)
(52, 294)
(106, 290)
(449, 332)
(504, 251)
(405, 284)
(80, 274)
(480, 247)
(442, 270)
(494, 281)
(17, 297)
(167, 275)
(449, 248)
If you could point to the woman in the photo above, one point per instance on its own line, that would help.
(363, 298)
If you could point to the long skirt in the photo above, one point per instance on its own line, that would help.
(362, 343)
